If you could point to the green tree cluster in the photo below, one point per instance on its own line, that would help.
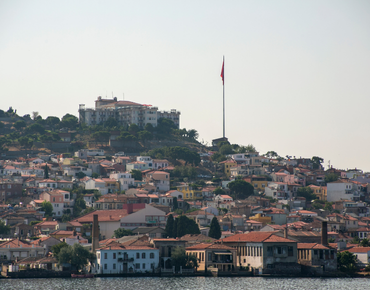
(346, 262)
(176, 153)
(182, 225)
(76, 255)
(240, 189)
(180, 259)
(306, 192)
(121, 232)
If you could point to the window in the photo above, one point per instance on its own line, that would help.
(114, 266)
(143, 266)
(105, 266)
(98, 255)
(137, 255)
(209, 256)
(290, 251)
(105, 255)
(269, 251)
(137, 266)
(278, 250)
(151, 255)
(114, 255)
(143, 255)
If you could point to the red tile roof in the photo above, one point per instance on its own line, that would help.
(257, 237)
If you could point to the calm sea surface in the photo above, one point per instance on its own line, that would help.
(192, 283)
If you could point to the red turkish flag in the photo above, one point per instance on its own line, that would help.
(222, 72)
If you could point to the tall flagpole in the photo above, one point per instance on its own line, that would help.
(223, 92)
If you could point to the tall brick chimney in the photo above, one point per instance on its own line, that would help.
(324, 233)
(95, 233)
(130, 208)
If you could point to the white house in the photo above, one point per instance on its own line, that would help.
(149, 216)
(124, 178)
(362, 254)
(342, 189)
(74, 170)
(116, 258)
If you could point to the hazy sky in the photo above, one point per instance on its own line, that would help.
(296, 72)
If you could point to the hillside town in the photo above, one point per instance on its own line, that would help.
(185, 209)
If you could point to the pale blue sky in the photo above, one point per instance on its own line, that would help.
(296, 72)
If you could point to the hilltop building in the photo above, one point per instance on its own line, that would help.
(125, 113)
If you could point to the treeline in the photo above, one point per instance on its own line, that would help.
(175, 153)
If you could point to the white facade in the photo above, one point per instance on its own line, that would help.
(124, 178)
(342, 189)
(149, 216)
(125, 113)
(127, 260)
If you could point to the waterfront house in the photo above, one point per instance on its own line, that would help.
(265, 251)
(115, 258)
(217, 256)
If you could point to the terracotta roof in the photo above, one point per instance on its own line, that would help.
(15, 243)
(311, 246)
(359, 250)
(204, 246)
(256, 237)
(103, 216)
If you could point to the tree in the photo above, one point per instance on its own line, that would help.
(219, 191)
(20, 124)
(215, 229)
(121, 232)
(111, 122)
(69, 121)
(133, 129)
(56, 248)
(47, 207)
(25, 142)
(316, 162)
(250, 148)
(46, 171)
(241, 189)
(331, 177)
(193, 134)
(174, 229)
(346, 261)
(66, 217)
(226, 149)
(149, 127)
(80, 175)
(328, 206)
(76, 255)
(169, 226)
(179, 258)
(218, 157)
(145, 135)
(306, 192)
(355, 240)
(136, 174)
(101, 136)
(4, 229)
(186, 226)
(271, 154)
(365, 243)
(52, 121)
(175, 203)
(36, 128)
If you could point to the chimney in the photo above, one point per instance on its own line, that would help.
(95, 233)
(324, 233)
(286, 232)
(130, 208)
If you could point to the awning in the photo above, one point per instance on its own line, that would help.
(223, 253)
